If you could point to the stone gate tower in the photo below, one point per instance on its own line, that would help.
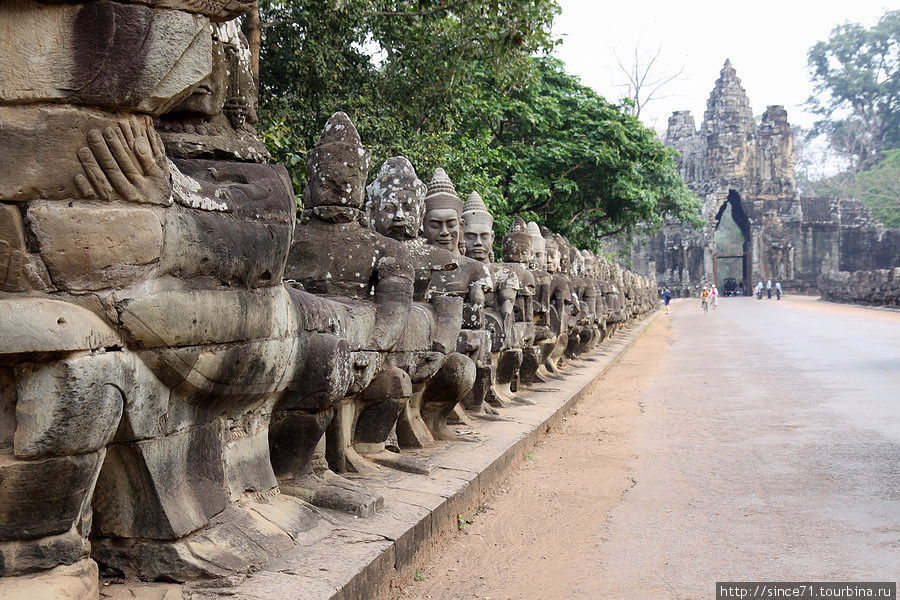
(733, 160)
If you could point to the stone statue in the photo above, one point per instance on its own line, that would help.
(500, 302)
(173, 338)
(334, 254)
(396, 207)
(442, 228)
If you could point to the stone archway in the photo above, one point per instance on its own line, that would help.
(743, 252)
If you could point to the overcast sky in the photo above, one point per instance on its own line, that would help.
(766, 41)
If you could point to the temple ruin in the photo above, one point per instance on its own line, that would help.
(736, 163)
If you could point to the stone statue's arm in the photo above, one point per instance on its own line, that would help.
(393, 299)
(124, 162)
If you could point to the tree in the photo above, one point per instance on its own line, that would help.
(579, 164)
(644, 80)
(463, 85)
(879, 187)
(856, 74)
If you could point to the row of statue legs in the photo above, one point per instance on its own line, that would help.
(505, 376)
(297, 447)
(425, 417)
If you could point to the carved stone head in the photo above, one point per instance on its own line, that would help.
(576, 261)
(552, 250)
(337, 167)
(565, 260)
(216, 119)
(442, 226)
(517, 245)
(478, 227)
(396, 202)
(590, 264)
(538, 247)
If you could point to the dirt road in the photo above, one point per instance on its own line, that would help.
(758, 442)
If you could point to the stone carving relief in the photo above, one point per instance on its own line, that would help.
(183, 364)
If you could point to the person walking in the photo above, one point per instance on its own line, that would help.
(759, 287)
(769, 288)
(714, 297)
(778, 290)
(667, 297)
(741, 288)
(704, 299)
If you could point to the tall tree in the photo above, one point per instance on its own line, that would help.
(462, 85)
(856, 73)
(644, 78)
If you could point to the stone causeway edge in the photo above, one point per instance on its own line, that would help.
(359, 558)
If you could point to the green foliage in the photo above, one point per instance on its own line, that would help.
(465, 85)
(462, 522)
(879, 187)
(856, 73)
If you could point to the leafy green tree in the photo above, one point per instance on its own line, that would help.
(464, 85)
(879, 187)
(566, 157)
(856, 73)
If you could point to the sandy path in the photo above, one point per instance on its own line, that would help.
(758, 442)
(550, 511)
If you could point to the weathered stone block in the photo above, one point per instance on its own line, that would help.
(26, 556)
(68, 407)
(187, 318)
(247, 465)
(102, 53)
(40, 325)
(76, 582)
(163, 488)
(91, 248)
(41, 145)
(247, 253)
(45, 497)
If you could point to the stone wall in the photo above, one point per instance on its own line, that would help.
(878, 288)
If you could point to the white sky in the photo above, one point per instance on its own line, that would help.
(766, 41)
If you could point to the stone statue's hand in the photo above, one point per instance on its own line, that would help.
(122, 161)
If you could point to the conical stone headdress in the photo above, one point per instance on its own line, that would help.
(396, 173)
(339, 143)
(475, 211)
(518, 233)
(442, 193)
(537, 240)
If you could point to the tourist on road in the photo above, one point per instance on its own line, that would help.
(759, 287)
(714, 297)
(704, 299)
(769, 288)
(667, 297)
(778, 290)
(741, 289)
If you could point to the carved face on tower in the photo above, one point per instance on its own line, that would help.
(397, 200)
(517, 243)
(337, 167)
(442, 225)
(478, 227)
